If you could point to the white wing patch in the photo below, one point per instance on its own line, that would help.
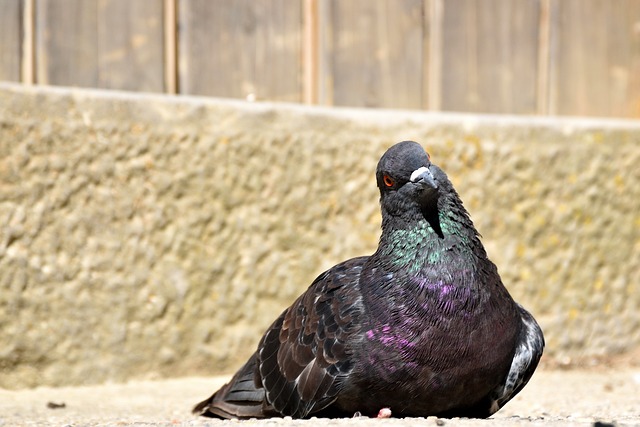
(524, 362)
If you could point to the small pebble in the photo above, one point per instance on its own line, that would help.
(54, 405)
(435, 420)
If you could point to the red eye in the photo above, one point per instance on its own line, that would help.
(388, 181)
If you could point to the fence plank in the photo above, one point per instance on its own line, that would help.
(10, 40)
(241, 49)
(376, 53)
(490, 55)
(595, 58)
(114, 44)
(66, 40)
(130, 42)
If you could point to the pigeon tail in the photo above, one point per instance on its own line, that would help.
(240, 398)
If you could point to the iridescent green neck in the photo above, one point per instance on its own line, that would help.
(423, 243)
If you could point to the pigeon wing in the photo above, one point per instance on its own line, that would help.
(306, 354)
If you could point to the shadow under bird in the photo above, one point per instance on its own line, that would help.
(422, 327)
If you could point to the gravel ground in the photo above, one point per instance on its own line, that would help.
(553, 398)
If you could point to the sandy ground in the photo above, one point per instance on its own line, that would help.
(553, 398)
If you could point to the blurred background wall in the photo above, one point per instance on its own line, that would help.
(550, 57)
(148, 235)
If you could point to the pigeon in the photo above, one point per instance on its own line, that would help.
(423, 327)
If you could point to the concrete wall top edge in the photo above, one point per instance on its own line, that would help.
(467, 121)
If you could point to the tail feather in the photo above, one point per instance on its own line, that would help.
(240, 398)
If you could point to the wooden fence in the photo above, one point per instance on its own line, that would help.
(566, 57)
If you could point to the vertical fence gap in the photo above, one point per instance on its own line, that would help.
(310, 52)
(170, 46)
(27, 66)
(544, 53)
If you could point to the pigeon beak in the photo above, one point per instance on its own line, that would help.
(424, 177)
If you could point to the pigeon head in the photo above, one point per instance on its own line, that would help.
(407, 180)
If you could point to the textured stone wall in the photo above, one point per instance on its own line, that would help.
(156, 236)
